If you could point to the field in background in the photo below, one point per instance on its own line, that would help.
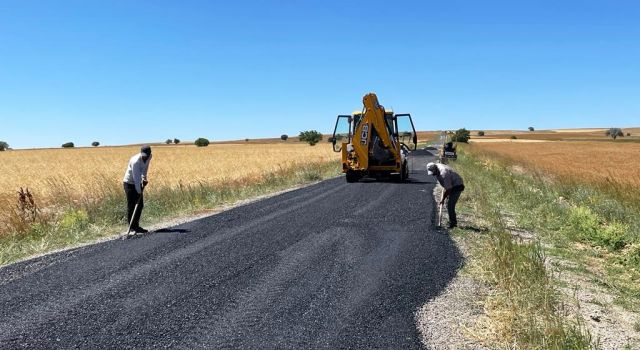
(612, 165)
(591, 134)
(81, 172)
(79, 197)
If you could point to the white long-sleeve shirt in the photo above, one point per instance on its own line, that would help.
(136, 171)
(448, 178)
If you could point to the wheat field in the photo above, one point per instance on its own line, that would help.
(81, 172)
(593, 162)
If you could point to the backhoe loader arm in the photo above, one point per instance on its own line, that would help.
(375, 113)
(370, 141)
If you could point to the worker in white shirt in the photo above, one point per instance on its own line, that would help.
(135, 179)
(453, 186)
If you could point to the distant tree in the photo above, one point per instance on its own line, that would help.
(168, 141)
(514, 137)
(246, 140)
(480, 133)
(176, 141)
(202, 142)
(68, 145)
(284, 137)
(614, 133)
(628, 134)
(95, 143)
(3, 146)
(461, 135)
(531, 128)
(310, 136)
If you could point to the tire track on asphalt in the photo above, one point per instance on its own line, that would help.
(247, 313)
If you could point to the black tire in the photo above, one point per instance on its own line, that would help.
(352, 176)
(404, 173)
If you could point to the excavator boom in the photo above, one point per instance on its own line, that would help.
(370, 141)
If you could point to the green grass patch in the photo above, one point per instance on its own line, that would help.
(524, 309)
(587, 225)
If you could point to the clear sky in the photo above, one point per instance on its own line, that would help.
(130, 71)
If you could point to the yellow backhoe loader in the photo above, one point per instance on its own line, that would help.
(374, 141)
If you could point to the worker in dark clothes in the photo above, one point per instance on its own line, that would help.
(135, 179)
(453, 187)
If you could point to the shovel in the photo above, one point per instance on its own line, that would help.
(440, 209)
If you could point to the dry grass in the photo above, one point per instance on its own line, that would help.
(591, 134)
(76, 171)
(428, 135)
(84, 177)
(609, 164)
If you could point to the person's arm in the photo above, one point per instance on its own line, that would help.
(145, 180)
(136, 172)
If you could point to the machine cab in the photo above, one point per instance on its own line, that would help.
(399, 126)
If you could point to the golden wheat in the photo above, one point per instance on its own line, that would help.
(76, 173)
(590, 162)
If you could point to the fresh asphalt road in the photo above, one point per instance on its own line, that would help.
(329, 266)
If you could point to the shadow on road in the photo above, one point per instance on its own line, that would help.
(172, 230)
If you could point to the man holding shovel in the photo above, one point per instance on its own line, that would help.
(453, 187)
(135, 179)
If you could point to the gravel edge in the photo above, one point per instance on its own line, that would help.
(442, 320)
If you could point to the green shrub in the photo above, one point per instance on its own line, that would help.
(284, 137)
(168, 141)
(202, 142)
(95, 143)
(514, 137)
(311, 137)
(68, 145)
(480, 133)
(461, 135)
(74, 219)
(614, 132)
(3, 146)
(584, 225)
(176, 141)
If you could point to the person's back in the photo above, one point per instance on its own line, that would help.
(448, 178)
(453, 186)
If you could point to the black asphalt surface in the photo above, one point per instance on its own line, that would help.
(330, 266)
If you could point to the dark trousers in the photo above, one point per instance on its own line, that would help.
(132, 200)
(451, 204)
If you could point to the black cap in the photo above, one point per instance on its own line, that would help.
(146, 150)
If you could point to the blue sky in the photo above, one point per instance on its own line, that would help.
(125, 71)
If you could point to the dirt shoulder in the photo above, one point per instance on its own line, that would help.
(462, 316)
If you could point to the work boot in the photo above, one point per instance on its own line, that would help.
(140, 230)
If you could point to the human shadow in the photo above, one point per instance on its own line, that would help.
(172, 230)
